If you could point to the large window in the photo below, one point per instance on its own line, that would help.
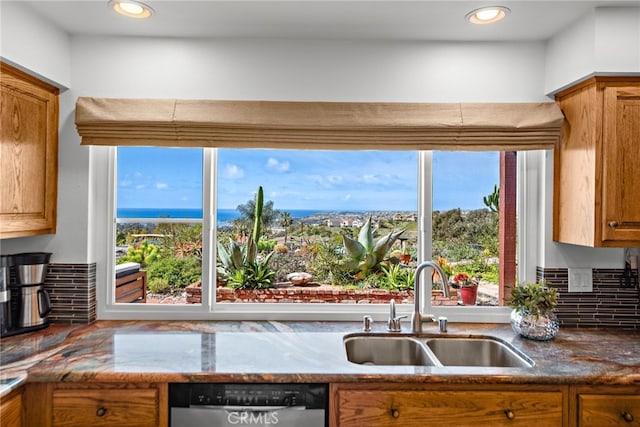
(315, 205)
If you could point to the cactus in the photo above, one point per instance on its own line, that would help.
(365, 254)
(492, 201)
(240, 263)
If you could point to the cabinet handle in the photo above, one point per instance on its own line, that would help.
(627, 417)
(101, 412)
(613, 224)
(509, 414)
(395, 413)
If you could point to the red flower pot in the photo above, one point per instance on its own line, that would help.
(468, 294)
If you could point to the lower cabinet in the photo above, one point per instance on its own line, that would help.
(119, 405)
(374, 405)
(606, 406)
(11, 409)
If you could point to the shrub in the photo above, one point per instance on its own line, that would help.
(178, 272)
(158, 285)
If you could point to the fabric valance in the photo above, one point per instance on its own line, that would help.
(318, 125)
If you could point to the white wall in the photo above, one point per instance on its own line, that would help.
(605, 41)
(34, 44)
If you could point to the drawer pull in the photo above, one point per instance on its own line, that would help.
(395, 413)
(627, 417)
(509, 414)
(101, 412)
(613, 224)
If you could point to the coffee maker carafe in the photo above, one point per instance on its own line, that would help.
(32, 304)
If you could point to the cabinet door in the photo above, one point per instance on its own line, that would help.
(604, 410)
(448, 408)
(106, 407)
(28, 154)
(11, 410)
(621, 165)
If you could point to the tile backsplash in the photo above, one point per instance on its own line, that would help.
(609, 305)
(72, 288)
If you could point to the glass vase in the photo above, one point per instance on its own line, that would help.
(541, 328)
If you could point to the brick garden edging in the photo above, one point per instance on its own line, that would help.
(318, 295)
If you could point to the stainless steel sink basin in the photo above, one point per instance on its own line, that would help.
(477, 352)
(387, 350)
(412, 350)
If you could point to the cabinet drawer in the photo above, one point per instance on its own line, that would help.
(449, 408)
(105, 407)
(602, 410)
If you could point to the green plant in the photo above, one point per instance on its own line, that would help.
(253, 275)
(365, 254)
(158, 285)
(536, 298)
(398, 278)
(144, 254)
(240, 263)
(492, 201)
(178, 272)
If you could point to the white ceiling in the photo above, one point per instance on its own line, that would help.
(325, 19)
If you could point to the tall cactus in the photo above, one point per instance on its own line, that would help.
(257, 220)
(492, 201)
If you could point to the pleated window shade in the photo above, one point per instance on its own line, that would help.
(318, 125)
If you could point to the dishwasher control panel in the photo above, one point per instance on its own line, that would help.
(283, 395)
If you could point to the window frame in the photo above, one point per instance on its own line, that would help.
(209, 310)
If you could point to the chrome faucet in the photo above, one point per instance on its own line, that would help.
(393, 324)
(417, 317)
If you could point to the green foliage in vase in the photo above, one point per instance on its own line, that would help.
(536, 298)
(365, 254)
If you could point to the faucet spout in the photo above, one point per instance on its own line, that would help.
(418, 317)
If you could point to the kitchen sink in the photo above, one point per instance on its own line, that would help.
(416, 350)
(477, 352)
(387, 350)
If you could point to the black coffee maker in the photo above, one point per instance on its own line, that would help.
(29, 303)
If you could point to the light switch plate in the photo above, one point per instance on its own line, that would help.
(580, 280)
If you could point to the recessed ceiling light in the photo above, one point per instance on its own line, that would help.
(131, 8)
(487, 15)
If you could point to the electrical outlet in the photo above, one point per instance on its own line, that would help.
(580, 280)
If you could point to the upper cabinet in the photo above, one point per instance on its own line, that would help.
(28, 154)
(597, 164)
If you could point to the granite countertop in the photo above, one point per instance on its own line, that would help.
(208, 351)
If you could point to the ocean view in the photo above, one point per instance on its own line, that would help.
(225, 216)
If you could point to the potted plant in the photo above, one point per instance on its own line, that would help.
(533, 314)
(468, 288)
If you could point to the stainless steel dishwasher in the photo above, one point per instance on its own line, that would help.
(220, 405)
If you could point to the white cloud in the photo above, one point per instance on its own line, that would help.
(232, 172)
(370, 179)
(276, 165)
(347, 197)
(125, 183)
(335, 179)
(140, 186)
(162, 186)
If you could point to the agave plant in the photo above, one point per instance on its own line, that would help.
(240, 263)
(365, 254)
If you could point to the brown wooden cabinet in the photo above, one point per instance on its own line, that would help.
(11, 409)
(597, 164)
(93, 404)
(28, 154)
(377, 405)
(605, 406)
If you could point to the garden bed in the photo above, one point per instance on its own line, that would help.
(317, 295)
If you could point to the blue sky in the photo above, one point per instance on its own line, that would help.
(293, 179)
